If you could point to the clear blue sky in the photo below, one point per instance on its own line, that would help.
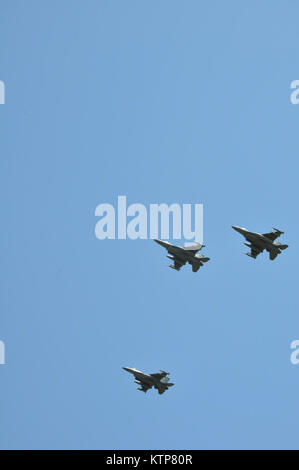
(167, 101)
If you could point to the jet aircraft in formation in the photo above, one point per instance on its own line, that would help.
(260, 242)
(257, 243)
(180, 256)
(160, 380)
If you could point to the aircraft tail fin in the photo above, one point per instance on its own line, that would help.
(283, 247)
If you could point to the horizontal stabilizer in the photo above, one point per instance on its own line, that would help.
(272, 255)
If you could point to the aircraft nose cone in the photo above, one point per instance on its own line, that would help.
(238, 229)
(132, 370)
(160, 242)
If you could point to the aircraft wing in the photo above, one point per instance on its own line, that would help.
(160, 375)
(144, 387)
(194, 248)
(272, 235)
(178, 263)
(255, 251)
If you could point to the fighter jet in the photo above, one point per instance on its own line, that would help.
(181, 256)
(160, 381)
(260, 242)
